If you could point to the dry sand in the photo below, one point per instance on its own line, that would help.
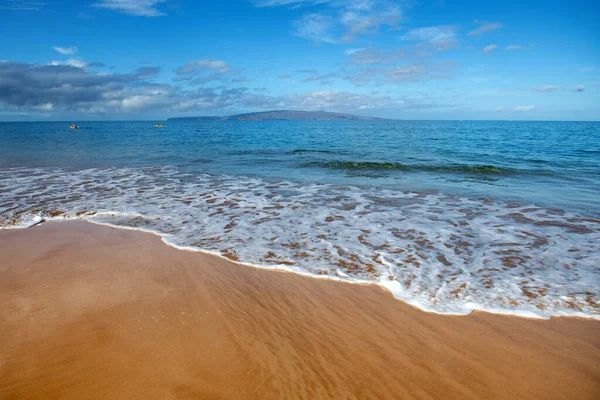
(91, 312)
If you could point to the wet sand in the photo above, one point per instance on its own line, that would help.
(91, 312)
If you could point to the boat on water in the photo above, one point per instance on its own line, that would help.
(74, 126)
(159, 125)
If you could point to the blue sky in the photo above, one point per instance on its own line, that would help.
(153, 59)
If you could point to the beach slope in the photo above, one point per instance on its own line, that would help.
(92, 312)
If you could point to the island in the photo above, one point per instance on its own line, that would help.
(282, 115)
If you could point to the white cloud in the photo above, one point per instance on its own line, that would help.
(485, 27)
(200, 72)
(499, 108)
(21, 5)
(366, 16)
(579, 88)
(321, 78)
(440, 37)
(349, 52)
(490, 48)
(275, 3)
(416, 72)
(371, 56)
(413, 72)
(524, 108)
(333, 99)
(76, 63)
(327, 100)
(202, 65)
(45, 107)
(316, 27)
(341, 20)
(547, 88)
(142, 8)
(66, 50)
(516, 47)
(71, 62)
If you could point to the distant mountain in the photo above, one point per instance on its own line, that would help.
(282, 115)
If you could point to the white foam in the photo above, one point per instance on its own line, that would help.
(442, 254)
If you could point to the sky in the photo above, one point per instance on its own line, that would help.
(441, 59)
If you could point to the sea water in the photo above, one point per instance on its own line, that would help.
(450, 216)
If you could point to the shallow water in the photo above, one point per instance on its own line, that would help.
(501, 216)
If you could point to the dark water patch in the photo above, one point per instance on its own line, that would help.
(301, 151)
(200, 161)
(371, 174)
(251, 152)
(456, 168)
(353, 165)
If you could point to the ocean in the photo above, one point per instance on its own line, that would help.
(450, 216)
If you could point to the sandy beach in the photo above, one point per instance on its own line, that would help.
(92, 312)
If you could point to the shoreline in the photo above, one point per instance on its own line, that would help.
(283, 268)
(92, 311)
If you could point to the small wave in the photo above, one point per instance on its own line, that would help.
(456, 168)
(300, 151)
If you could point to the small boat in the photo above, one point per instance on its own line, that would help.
(158, 125)
(73, 126)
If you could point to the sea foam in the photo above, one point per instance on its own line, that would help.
(441, 253)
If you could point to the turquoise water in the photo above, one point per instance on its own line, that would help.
(551, 163)
(450, 216)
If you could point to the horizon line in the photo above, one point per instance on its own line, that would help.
(380, 119)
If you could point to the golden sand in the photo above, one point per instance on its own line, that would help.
(91, 312)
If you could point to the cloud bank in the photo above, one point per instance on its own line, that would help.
(26, 87)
